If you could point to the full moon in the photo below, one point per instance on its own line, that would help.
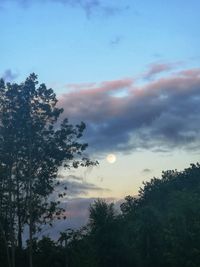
(111, 158)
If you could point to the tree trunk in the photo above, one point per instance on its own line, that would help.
(30, 210)
(30, 232)
(19, 234)
(66, 255)
(11, 218)
(6, 245)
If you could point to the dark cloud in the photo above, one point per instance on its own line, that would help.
(9, 76)
(146, 170)
(77, 213)
(122, 116)
(75, 202)
(82, 188)
(89, 6)
(75, 186)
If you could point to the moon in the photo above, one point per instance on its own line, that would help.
(111, 158)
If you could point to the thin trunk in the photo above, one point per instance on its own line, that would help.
(6, 245)
(19, 234)
(30, 229)
(11, 218)
(30, 211)
(12, 250)
(66, 254)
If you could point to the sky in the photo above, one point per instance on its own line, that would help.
(129, 69)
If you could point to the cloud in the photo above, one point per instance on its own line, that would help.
(116, 40)
(123, 116)
(77, 186)
(146, 170)
(77, 214)
(76, 203)
(89, 6)
(82, 188)
(157, 68)
(9, 76)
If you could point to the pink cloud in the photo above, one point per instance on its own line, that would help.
(79, 86)
(163, 112)
(157, 68)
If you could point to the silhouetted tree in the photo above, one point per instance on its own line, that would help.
(34, 145)
(103, 232)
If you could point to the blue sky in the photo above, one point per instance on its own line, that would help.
(129, 69)
(78, 48)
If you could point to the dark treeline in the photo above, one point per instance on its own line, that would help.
(158, 228)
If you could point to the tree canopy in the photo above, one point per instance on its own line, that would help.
(35, 143)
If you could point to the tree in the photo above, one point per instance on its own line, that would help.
(161, 225)
(66, 237)
(35, 143)
(104, 233)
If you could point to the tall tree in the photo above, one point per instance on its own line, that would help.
(36, 143)
(104, 232)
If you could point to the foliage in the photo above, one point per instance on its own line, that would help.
(159, 228)
(35, 143)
